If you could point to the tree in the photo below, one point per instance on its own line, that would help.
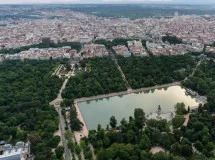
(102, 155)
(77, 149)
(59, 152)
(71, 145)
(68, 66)
(88, 67)
(106, 142)
(34, 138)
(123, 121)
(113, 122)
(145, 143)
(176, 149)
(88, 155)
(186, 150)
(139, 117)
(152, 123)
(209, 147)
(198, 156)
(178, 121)
(177, 134)
(156, 136)
(145, 155)
(83, 63)
(161, 156)
(199, 146)
(21, 134)
(76, 124)
(188, 109)
(12, 121)
(180, 109)
(49, 125)
(53, 143)
(24, 109)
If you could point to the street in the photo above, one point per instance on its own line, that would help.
(56, 104)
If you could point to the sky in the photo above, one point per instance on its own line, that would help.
(106, 1)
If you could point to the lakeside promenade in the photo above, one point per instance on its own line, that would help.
(84, 132)
(129, 91)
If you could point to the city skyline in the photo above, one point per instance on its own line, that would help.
(106, 1)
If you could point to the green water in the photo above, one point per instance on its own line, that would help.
(99, 111)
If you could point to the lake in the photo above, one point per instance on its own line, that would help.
(99, 111)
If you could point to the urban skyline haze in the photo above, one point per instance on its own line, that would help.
(107, 1)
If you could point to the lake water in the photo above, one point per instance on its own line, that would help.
(99, 111)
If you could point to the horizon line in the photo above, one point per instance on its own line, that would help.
(170, 3)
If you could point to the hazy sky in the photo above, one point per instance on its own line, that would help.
(104, 1)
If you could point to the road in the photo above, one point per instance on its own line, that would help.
(67, 153)
(56, 104)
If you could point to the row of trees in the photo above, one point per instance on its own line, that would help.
(102, 78)
(149, 71)
(74, 45)
(135, 138)
(76, 124)
(26, 88)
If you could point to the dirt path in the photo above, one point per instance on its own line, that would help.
(84, 131)
(119, 69)
(187, 118)
(56, 70)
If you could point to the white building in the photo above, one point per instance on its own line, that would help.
(21, 151)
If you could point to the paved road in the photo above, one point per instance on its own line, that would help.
(56, 104)
(62, 127)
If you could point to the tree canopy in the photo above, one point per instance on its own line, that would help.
(26, 88)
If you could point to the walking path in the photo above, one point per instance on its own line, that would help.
(187, 118)
(192, 74)
(125, 92)
(56, 70)
(123, 75)
(119, 69)
(56, 103)
(84, 131)
(198, 64)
